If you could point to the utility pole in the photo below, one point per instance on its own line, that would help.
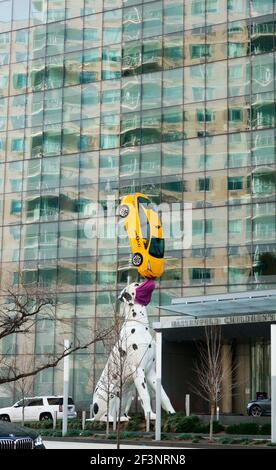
(65, 388)
(158, 384)
(273, 384)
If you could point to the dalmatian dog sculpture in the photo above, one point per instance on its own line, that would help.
(137, 346)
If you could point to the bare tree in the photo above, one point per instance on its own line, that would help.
(24, 386)
(212, 371)
(21, 309)
(115, 384)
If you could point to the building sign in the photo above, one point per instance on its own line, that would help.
(228, 320)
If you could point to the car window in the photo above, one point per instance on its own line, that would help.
(59, 401)
(35, 402)
(144, 201)
(144, 224)
(157, 247)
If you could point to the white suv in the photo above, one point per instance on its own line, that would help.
(37, 409)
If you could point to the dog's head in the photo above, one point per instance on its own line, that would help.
(128, 293)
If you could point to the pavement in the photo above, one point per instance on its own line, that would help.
(89, 445)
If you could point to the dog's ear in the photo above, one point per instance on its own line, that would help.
(125, 297)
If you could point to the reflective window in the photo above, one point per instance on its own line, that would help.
(151, 126)
(111, 62)
(172, 87)
(195, 47)
(74, 8)
(93, 6)
(74, 35)
(132, 23)
(262, 73)
(55, 39)
(71, 103)
(5, 15)
(131, 58)
(90, 101)
(56, 10)
(194, 13)
(173, 16)
(194, 83)
(152, 55)
(151, 91)
(216, 11)
(262, 35)
(263, 110)
(263, 147)
(20, 41)
(173, 51)
(92, 31)
(73, 68)
(150, 160)
(131, 94)
(91, 66)
(261, 7)
(239, 77)
(52, 106)
(172, 124)
(110, 128)
(112, 27)
(20, 13)
(238, 39)
(238, 9)
(239, 114)
(152, 19)
(216, 80)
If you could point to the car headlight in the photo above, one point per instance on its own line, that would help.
(38, 441)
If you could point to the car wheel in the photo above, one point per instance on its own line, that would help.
(123, 211)
(137, 259)
(255, 410)
(5, 418)
(45, 417)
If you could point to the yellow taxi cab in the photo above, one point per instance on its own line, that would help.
(145, 234)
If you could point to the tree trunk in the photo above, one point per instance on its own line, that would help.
(107, 419)
(211, 422)
(119, 423)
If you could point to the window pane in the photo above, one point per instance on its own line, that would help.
(112, 27)
(173, 51)
(152, 19)
(172, 87)
(173, 16)
(132, 23)
(151, 91)
(239, 77)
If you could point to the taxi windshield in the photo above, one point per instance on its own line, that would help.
(157, 247)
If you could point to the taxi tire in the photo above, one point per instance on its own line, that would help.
(124, 211)
(137, 259)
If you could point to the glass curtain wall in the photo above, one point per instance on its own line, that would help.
(173, 98)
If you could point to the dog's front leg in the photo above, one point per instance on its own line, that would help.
(143, 392)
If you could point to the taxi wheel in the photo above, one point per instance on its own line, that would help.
(124, 211)
(137, 259)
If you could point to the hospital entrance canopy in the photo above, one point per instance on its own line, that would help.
(240, 307)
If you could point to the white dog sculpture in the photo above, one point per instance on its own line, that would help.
(137, 346)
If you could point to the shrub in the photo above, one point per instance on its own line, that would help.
(86, 433)
(243, 428)
(95, 425)
(135, 423)
(265, 429)
(217, 427)
(184, 437)
(73, 432)
(179, 422)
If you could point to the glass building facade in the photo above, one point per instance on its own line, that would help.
(101, 98)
